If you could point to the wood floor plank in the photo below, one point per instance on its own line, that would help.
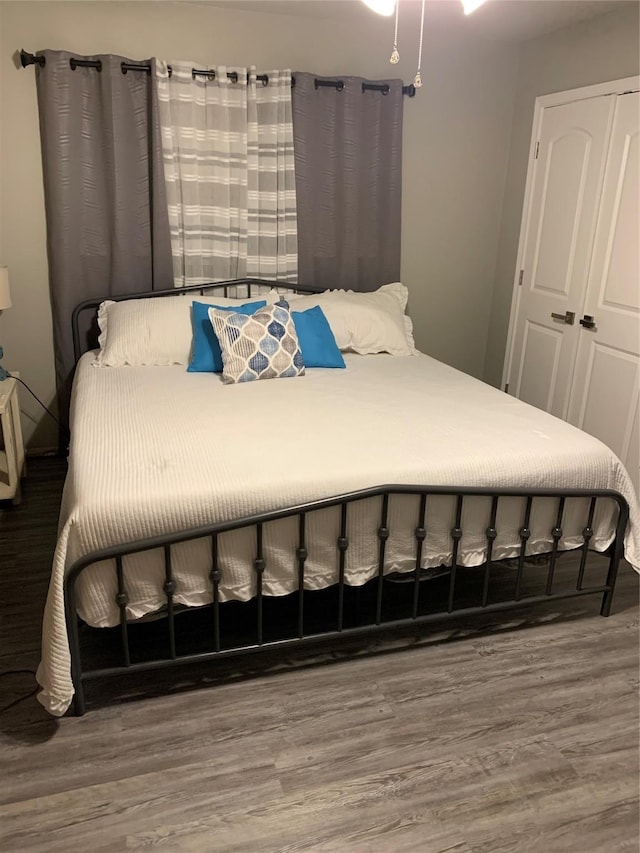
(359, 815)
(582, 818)
(239, 709)
(75, 818)
(80, 756)
(535, 765)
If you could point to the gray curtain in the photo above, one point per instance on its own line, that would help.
(106, 209)
(348, 157)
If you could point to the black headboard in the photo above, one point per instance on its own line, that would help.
(82, 342)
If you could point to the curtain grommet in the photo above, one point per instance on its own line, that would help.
(85, 63)
(209, 74)
(338, 85)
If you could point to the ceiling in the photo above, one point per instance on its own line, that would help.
(512, 20)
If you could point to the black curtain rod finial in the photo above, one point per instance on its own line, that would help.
(31, 59)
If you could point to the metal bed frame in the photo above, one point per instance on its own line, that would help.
(349, 616)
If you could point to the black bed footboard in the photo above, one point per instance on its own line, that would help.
(388, 601)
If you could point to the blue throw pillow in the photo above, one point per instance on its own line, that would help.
(206, 355)
(318, 345)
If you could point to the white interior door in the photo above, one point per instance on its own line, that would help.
(558, 239)
(604, 399)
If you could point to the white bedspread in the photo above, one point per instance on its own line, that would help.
(156, 449)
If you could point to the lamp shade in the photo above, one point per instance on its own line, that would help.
(5, 293)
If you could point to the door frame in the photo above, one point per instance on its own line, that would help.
(613, 87)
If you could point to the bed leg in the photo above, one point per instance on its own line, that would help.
(607, 598)
(79, 707)
(605, 608)
(73, 625)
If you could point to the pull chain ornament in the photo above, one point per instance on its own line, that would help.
(395, 56)
(417, 80)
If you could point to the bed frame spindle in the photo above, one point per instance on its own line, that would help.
(420, 534)
(491, 534)
(169, 588)
(587, 534)
(556, 535)
(301, 556)
(259, 565)
(122, 599)
(343, 544)
(214, 576)
(456, 536)
(383, 535)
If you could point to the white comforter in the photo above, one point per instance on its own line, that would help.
(156, 449)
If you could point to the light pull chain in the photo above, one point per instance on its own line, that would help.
(395, 56)
(417, 80)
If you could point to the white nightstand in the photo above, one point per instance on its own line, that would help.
(11, 444)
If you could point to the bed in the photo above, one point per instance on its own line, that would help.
(186, 495)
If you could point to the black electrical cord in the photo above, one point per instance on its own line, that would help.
(48, 411)
(25, 671)
(26, 695)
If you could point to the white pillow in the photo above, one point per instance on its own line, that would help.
(364, 322)
(408, 331)
(397, 289)
(402, 295)
(154, 331)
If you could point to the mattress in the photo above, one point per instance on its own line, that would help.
(156, 450)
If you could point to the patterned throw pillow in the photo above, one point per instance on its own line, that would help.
(263, 345)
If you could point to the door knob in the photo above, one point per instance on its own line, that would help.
(588, 322)
(568, 317)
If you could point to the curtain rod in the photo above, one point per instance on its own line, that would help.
(31, 59)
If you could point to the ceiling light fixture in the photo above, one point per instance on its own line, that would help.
(470, 6)
(382, 7)
(388, 7)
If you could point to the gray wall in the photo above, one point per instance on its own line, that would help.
(596, 51)
(455, 158)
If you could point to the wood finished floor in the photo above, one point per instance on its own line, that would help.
(515, 733)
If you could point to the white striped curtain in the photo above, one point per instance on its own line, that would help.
(272, 237)
(229, 173)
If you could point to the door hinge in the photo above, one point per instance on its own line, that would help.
(521, 277)
(535, 156)
(506, 388)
